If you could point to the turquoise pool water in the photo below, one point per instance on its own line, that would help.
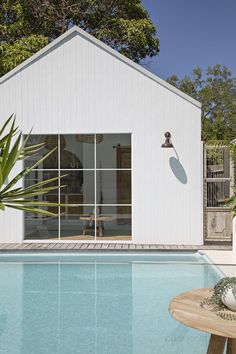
(98, 303)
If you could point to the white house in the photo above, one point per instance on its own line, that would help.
(107, 116)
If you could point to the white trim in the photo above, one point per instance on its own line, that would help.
(76, 30)
(132, 187)
(59, 182)
(95, 186)
(86, 169)
(110, 205)
(202, 192)
(46, 240)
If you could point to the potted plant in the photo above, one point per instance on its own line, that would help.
(225, 291)
(223, 298)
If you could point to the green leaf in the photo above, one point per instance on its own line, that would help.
(25, 150)
(11, 152)
(1, 176)
(30, 194)
(39, 203)
(216, 90)
(32, 210)
(11, 159)
(5, 124)
(27, 171)
(45, 182)
(8, 144)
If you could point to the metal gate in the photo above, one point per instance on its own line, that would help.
(218, 183)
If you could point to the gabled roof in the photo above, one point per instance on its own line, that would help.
(82, 33)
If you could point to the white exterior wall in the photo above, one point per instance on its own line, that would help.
(77, 87)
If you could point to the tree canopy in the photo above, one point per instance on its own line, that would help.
(216, 90)
(28, 25)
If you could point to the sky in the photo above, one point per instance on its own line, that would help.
(192, 33)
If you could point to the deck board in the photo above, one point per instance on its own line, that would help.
(85, 246)
(111, 246)
(79, 246)
(104, 246)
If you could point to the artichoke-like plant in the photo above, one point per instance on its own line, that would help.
(12, 149)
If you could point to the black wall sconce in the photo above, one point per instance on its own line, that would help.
(167, 143)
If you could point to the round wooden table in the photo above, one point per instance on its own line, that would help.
(186, 308)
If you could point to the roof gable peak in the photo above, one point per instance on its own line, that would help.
(100, 44)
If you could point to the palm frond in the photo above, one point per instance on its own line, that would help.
(32, 210)
(12, 151)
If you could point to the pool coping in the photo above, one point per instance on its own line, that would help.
(225, 260)
(226, 266)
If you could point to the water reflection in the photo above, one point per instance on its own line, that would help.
(99, 308)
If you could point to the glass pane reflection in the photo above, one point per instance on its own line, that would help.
(41, 226)
(36, 176)
(113, 223)
(50, 142)
(114, 187)
(113, 151)
(76, 151)
(78, 223)
(75, 158)
(79, 187)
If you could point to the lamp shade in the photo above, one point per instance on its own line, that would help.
(89, 138)
(167, 143)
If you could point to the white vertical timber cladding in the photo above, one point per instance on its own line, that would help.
(78, 87)
(11, 221)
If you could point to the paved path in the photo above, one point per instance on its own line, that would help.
(225, 259)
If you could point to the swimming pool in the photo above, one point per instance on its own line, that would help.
(98, 303)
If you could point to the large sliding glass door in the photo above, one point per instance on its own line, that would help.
(96, 187)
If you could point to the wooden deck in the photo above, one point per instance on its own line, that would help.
(59, 247)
